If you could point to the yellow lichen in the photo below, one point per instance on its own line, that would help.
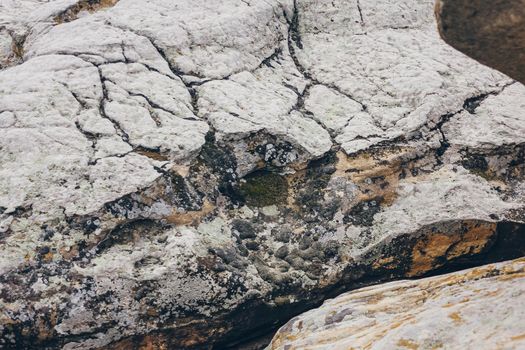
(408, 344)
(190, 217)
(456, 318)
(471, 239)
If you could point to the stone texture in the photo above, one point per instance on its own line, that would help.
(179, 174)
(491, 32)
(19, 18)
(471, 309)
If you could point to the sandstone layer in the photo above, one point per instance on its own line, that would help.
(178, 174)
(473, 309)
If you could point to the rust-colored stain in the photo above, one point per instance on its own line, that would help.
(473, 237)
(376, 172)
(189, 337)
(387, 263)
(426, 251)
(518, 337)
(190, 217)
(69, 253)
(85, 5)
(456, 318)
(408, 344)
(47, 257)
(474, 240)
(46, 326)
(511, 276)
(153, 155)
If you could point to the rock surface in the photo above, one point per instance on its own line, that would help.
(190, 173)
(491, 32)
(471, 309)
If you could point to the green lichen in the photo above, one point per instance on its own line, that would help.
(264, 188)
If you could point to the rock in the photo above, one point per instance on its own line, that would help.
(445, 312)
(282, 252)
(179, 174)
(492, 33)
(20, 19)
(363, 53)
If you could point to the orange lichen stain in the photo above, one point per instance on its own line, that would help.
(68, 253)
(408, 344)
(48, 257)
(281, 339)
(190, 217)
(376, 172)
(511, 276)
(400, 322)
(447, 305)
(426, 252)
(294, 181)
(456, 318)
(518, 337)
(387, 263)
(373, 299)
(492, 293)
(380, 333)
(472, 239)
(153, 343)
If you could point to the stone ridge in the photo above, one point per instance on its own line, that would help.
(463, 310)
(190, 173)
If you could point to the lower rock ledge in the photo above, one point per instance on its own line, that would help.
(477, 308)
(435, 249)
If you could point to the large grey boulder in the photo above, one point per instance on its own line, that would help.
(190, 173)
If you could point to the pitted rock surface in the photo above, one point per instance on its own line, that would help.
(178, 174)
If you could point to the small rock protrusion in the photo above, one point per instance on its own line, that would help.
(282, 252)
(305, 242)
(252, 245)
(244, 229)
(282, 234)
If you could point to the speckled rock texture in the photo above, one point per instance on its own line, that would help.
(492, 32)
(189, 174)
(478, 308)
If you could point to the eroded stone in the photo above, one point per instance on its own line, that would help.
(447, 311)
(181, 175)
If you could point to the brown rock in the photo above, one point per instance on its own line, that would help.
(492, 32)
(471, 309)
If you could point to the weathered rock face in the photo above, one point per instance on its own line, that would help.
(471, 309)
(186, 173)
(491, 32)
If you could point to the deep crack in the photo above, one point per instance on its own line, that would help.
(102, 110)
(294, 36)
(360, 13)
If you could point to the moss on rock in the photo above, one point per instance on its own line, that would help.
(263, 188)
